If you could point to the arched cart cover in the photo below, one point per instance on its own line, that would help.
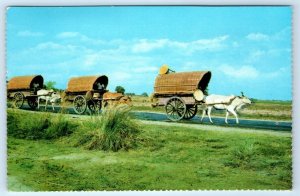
(25, 82)
(87, 83)
(181, 83)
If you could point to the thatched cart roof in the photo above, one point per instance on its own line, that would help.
(181, 83)
(112, 96)
(25, 82)
(86, 83)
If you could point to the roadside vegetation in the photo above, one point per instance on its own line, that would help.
(113, 130)
(54, 152)
(38, 126)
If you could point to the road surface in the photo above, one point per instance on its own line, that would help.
(219, 121)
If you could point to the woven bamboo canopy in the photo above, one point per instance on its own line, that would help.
(25, 82)
(86, 83)
(110, 95)
(181, 83)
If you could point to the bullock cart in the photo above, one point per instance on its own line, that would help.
(86, 92)
(180, 93)
(23, 88)
(113, 98)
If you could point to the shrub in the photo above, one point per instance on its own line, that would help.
(59, 127)
(113, 130)
(144, 94)
(37, 126)
(120, 89)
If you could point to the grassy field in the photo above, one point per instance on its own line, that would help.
(165, 157)
(259, 109)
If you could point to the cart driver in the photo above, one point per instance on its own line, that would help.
(100, 86)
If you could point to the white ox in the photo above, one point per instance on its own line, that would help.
(48, 96)
(229, 103)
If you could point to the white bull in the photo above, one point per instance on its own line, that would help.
(48, 96)
(229, 103)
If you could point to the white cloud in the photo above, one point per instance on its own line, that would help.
(210, 44)
(243, 72)
(29, 34)
(55, 46)
(91, 59)
(249, 72)
(145, 45)
(49, 45)
(68, 35)
(284, 34)
(256, 55)
(119, 77)
(258, 37)
(235, 44)
(274, 74)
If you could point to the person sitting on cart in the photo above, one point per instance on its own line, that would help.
(100, 87)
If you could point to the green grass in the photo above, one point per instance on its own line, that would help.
(37, 126)
(165, 158)
(113, 130)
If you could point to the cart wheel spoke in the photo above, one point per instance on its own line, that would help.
(18, 100)
(79, 104)
(94, 105)
(169, 108)
(32, 102)
(175, 108)
(191, 111)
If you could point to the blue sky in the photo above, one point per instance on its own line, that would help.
(246, 48)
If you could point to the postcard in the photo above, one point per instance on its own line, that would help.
(123, 98)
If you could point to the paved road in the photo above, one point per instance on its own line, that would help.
(257, 124)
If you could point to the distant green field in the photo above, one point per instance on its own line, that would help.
(166, 158)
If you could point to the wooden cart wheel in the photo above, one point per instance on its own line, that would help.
(94, 105)
(79, 104)
(18, 99)
(175, 108)
(32, 102)
(191, 111)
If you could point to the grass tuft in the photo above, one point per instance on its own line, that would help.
(241, 155)
(113, 130)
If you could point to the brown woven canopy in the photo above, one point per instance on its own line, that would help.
(25, 82)
(110, 95)
(86, 83)
(181, 83)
